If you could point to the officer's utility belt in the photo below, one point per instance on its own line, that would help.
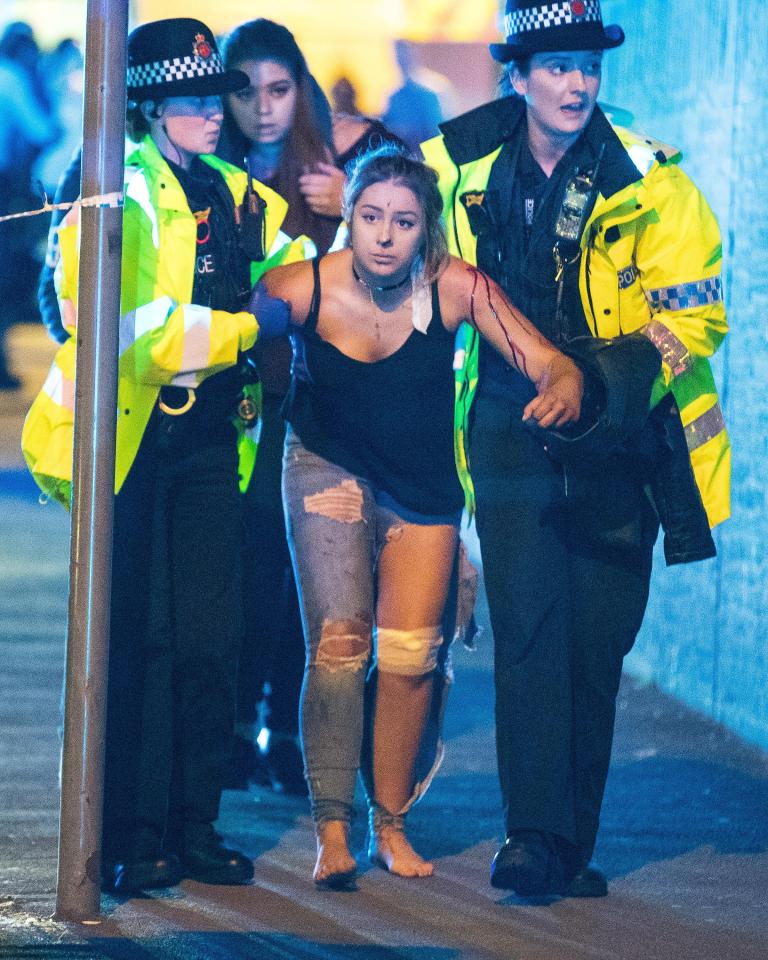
(177, 411)
(173, 403)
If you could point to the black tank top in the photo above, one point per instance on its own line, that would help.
(390, 421)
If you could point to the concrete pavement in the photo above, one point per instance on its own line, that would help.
(684, 838)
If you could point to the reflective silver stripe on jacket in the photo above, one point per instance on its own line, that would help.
(705, 427)
(60, 388)
(197, 344)
(137, 189)
(673, 351)
(135, 323)
(684, 296)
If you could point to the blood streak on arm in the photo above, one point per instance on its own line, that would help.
(518, 354)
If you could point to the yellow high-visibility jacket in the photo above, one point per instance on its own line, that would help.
(164, 338)
(650, 261)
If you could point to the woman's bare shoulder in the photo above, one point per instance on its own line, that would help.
(456, 272)
(338, 260)
(461, 278)
(456, 284)
(347, 130)
(290, 276)
(295, 282)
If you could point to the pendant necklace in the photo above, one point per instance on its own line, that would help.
(370, 287)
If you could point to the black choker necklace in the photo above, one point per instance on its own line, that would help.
(371, 286)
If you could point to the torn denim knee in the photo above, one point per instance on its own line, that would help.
(345, 645)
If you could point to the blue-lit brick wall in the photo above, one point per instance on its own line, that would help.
(694, 75)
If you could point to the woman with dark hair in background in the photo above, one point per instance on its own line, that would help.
(279, 128)
(372, 495)
(280, 125)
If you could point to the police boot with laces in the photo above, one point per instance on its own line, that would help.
(206, 859)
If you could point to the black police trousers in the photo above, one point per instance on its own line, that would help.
(567, 563)
(176, 622)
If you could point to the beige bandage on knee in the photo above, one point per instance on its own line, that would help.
(411, 653)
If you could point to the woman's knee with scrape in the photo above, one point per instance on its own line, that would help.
(409, 653)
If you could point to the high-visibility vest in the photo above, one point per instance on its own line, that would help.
(651, 261)
(164, 338)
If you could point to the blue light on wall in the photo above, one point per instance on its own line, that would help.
(692, 74)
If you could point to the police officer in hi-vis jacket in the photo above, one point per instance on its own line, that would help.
(196, 236)
(593, 232)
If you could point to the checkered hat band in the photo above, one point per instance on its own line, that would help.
(179, 68)
(550, 15)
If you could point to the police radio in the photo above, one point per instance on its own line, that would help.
(252, 222)
(575, 208)
(578, 201)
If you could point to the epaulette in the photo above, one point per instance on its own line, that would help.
(130, 172)
(644, 150)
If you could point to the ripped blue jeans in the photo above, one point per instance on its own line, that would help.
(337, 523)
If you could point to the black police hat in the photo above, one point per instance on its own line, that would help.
(177, 58)
(541, 26)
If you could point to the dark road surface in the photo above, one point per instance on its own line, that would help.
(684, 838)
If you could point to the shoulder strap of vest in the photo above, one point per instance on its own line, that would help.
(436, 327)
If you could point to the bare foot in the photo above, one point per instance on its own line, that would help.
(335, 867)
(390, 849)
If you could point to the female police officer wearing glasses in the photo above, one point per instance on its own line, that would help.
(195, 238)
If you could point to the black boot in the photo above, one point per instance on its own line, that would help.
(583, 877)
(144, 867)
(205, 858)
(528, 863)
